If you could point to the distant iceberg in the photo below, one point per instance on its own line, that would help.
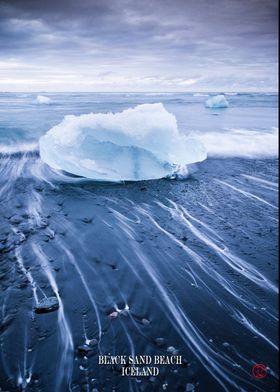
(43, 100)
(140, 143)
(217, 102)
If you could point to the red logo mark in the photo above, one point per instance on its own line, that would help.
(259, 370)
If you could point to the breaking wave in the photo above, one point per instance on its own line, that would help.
(240, 143)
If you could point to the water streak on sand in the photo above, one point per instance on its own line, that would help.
(247, 194)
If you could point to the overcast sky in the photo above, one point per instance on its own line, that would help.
(138, 45)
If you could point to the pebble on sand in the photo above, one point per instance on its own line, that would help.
(47, 304)
(189, 387)
(160, 342)
(84, 348)
(145, 321)
(172, 350)
(87, 220)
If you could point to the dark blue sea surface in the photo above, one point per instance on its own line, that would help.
(161, 267)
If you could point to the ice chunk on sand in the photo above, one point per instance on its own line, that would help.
(43, 100)
(139, 143)
(217, 102)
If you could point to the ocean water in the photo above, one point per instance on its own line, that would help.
(24, 121)
(144, 267)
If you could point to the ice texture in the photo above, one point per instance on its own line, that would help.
(217, 102)
(140, 143)
(43, 100)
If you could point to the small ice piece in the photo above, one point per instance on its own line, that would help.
(226, 344)
(47, 304)
(43, 100)
(217, 102)
(189, 387)
(92, 342)
(141, 143)
(113, 315)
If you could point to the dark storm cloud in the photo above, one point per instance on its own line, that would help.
(145, 45)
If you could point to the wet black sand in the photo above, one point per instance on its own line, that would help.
(139, 268)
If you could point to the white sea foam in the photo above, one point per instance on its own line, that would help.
(217, 102)
(240, 143)
(200, 95)
(140, 143)
(157, 94)
(18, 148)
(43, 100)
(22, 95)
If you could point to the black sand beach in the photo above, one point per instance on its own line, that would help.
(158, 267)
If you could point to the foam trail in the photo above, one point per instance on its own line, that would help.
(154, 277)
(27, 274)
(24, 375)
(270, 185)
(73, 262)
(247, 194)
(243, 320)
(201, 262)
(64, 373)
(191, 335)
(234, 263)
(238, 264)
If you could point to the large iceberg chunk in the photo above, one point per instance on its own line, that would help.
(217, 102)
(139, 143)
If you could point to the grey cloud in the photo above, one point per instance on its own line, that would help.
(175, 39)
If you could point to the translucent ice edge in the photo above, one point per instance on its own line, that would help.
(140, 143)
